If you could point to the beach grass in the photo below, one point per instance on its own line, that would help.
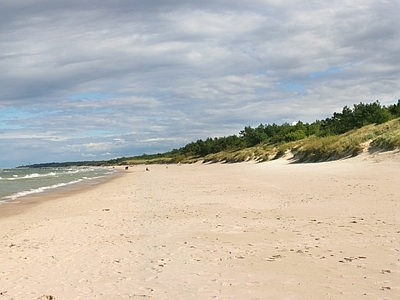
(372, 138)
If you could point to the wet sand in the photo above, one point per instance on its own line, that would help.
(213, 231)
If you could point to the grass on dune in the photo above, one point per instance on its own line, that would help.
(381, 137)
(315, 149)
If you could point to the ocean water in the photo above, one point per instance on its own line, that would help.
(16, 183)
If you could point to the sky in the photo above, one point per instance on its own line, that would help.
(95, 80)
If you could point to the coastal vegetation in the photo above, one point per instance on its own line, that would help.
(371, 127)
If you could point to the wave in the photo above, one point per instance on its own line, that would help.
(39, 190)
(30, 176)
(20, 183)
(50, 174)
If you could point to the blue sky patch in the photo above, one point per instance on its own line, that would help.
(330, 71)
(292, 86)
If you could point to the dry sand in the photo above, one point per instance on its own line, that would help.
(219, 231)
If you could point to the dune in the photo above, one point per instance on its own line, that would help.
(271, 230)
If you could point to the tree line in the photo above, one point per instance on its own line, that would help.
(348, 119)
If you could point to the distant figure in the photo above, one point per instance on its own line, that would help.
(126, 168)
(147, 169)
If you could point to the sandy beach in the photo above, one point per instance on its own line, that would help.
(271, 230)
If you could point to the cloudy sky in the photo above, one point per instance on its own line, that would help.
(94, 80)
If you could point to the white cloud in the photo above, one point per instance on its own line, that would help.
(146, 76)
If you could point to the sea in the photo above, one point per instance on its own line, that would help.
(21, 182)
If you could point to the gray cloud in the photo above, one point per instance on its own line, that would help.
(90, 79)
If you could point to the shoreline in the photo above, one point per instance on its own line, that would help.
(21, 204)
(242, 231)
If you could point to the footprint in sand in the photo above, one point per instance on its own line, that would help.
(47, 297)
